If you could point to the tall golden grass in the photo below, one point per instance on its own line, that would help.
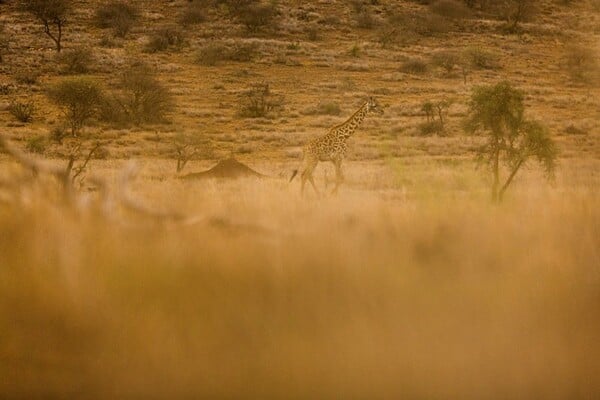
(406, 290)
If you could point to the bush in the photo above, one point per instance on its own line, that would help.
(57, 134)
(414, 66)
(213, 53)
(582, 63)
(78, 99)
(76, 61)
(256, 17)
(453, 9)
(430, 128)
(3, 42)
(312, 33)
(259, 102)
(164, 39)
(27, 77)
(324, 109)
(143, 99)
(446, 59)
(194, 13)
(23, 112)
(37, 144)
(120, 16)
(480, 58)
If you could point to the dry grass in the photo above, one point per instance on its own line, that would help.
(407, 289)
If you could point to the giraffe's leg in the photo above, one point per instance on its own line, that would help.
(307, 174)
(339, 176)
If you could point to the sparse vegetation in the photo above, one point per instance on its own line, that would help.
(480, 58)
(22, 111)
(37, 144)
(517, 11)
(453, 9)
(447, 59)
(76, 61)
(414, 66)
(188, 147)
(26, 77)
(582, 63)
(3, 42)
(52, 14)
(214, 53)
(120, 16)
(255, 16)
(498, 111)
(259, 102)
(166, 38)
(194, 13)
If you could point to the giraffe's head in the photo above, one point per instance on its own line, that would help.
(373, 106)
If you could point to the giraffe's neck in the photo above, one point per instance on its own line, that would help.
(346, 129)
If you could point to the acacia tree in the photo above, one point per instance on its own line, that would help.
(78, 100)
(52, 14)
(498, 111)
(517, 11)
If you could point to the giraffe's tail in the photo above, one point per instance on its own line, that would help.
(294, 173)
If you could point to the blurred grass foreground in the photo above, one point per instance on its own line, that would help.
(354, 296)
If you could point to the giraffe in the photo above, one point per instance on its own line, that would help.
(332, 146)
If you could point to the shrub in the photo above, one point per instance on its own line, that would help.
(76, 61)
(23, 112)
(480, 58)
(450, 9)
(78, 99)
(143, 99)
(312, 33)
(165, 39)
(414, 66)
(194, 13)
(242, 52)
(120, 16)
(582, 63)
(430, 128)
(215, 52)
(27, 77)
(3, 42)
(446, 59)
(259, 101)
(37, 144)
(256, 16)
(211, 54)
(324, 109)
(57, 134)
(329, 109)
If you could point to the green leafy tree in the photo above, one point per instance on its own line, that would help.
(52, 14)
(498, 111)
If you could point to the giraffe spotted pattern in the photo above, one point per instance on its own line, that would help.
(332, 146)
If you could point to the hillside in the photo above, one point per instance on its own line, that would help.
(337, 70)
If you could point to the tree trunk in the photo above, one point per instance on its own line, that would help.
(510, 178)
(496, 172)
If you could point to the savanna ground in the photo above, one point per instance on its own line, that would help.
(409, 283)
